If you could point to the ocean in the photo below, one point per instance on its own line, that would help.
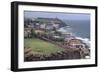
(79, 28)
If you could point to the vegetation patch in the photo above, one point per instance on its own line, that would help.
(41, 46)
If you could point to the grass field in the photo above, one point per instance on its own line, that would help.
(41, 46)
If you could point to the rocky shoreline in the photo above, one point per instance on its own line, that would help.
(68, 54)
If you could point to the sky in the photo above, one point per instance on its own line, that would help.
(60, 15)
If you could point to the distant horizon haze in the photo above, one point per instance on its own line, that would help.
(60, 15)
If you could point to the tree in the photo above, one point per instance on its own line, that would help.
(33, 33)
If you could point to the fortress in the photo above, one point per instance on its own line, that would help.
(47, 29)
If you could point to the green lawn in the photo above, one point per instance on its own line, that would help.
(40, 46)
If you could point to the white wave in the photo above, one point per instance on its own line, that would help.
(65, 29)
